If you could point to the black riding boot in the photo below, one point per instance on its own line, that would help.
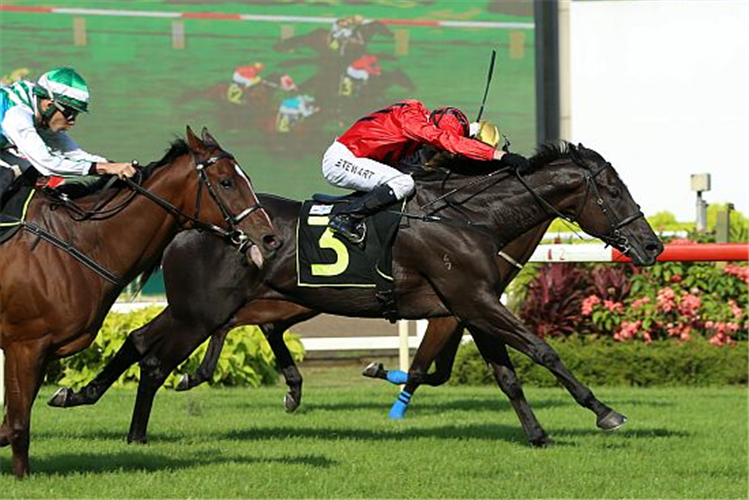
(349, 222)
(7, 176)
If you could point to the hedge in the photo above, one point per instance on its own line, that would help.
(605, 362)
(246, 360)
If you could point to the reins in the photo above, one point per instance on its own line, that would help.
(613, 237)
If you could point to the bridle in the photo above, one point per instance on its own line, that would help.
(234, 233)
(613, 236)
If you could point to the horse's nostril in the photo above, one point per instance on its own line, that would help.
(654, 247)
(272, 242)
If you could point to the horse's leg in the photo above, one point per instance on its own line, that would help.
(24, 372)
(485, 313)
(209, 363)
(292, 376)
(443, 362)
(438, 336)
(136, 343)
(156, 366)
(495, 353)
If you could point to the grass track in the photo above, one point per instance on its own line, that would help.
(458, 442)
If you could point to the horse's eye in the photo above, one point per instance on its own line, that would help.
(227, 183)
(615, 192)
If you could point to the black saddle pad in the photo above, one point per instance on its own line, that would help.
(325, 259)
(13, 211)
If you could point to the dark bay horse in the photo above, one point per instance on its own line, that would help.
(439, 346)
(53, 306)
(459, 223)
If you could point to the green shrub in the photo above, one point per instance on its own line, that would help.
(605, 362)
(246, 360)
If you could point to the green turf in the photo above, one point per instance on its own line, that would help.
(457, 442)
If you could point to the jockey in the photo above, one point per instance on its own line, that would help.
(363, 157)
(33, 122)
(344, 30)
(364, 66)
(248, 76)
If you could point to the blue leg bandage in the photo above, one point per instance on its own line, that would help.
(397, 377)
(400, 406)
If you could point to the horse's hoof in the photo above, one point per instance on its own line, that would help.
(611, 420)
(137, 439)
(398, 411)
(290, 403)
(374, 370)
(541, 442)
(183, 384)
(60, 398)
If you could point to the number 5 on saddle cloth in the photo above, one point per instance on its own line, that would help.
(326, 260)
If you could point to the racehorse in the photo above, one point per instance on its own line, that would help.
(318, 41)
(52, 306)
(439, 344)
(459, 223)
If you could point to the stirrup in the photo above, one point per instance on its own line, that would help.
(351, 229)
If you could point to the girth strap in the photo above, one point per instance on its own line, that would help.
(74, 252)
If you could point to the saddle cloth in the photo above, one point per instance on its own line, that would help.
(13, 212)
(326, 259)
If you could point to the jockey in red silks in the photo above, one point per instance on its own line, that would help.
(363, 157)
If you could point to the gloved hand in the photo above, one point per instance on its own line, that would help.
(516, 161)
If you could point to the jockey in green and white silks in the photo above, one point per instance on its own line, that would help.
(34, 119)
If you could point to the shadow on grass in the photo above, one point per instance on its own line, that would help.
(140, 460)
(483, 432)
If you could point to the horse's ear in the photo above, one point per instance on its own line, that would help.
(208, 138)
(193, 141)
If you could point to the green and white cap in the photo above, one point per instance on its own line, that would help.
(66, 86)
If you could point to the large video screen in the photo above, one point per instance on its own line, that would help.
(272, 80)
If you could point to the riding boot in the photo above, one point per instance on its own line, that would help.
(7, 176)
(349, 222)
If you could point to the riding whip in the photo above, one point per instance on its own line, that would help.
(488, 81)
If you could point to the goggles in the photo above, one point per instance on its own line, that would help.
(70, 114)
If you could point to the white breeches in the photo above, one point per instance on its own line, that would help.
(342, 169)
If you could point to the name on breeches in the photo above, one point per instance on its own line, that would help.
(354, 169)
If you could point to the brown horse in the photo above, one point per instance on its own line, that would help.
(460, 224)
(53, 306)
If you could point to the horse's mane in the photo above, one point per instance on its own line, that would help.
(177, 148)
(545, 154)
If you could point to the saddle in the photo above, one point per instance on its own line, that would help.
(15, 202)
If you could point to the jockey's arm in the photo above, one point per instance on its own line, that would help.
(19, 128)
(99, 165)
(417, 128)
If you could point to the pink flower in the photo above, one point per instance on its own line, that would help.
(637, 304)
(737, 312)
(665, 299)
(689, 304)
(613, 306)
(588, 303)
(627, 330)
(741, 272)
(720, 339)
